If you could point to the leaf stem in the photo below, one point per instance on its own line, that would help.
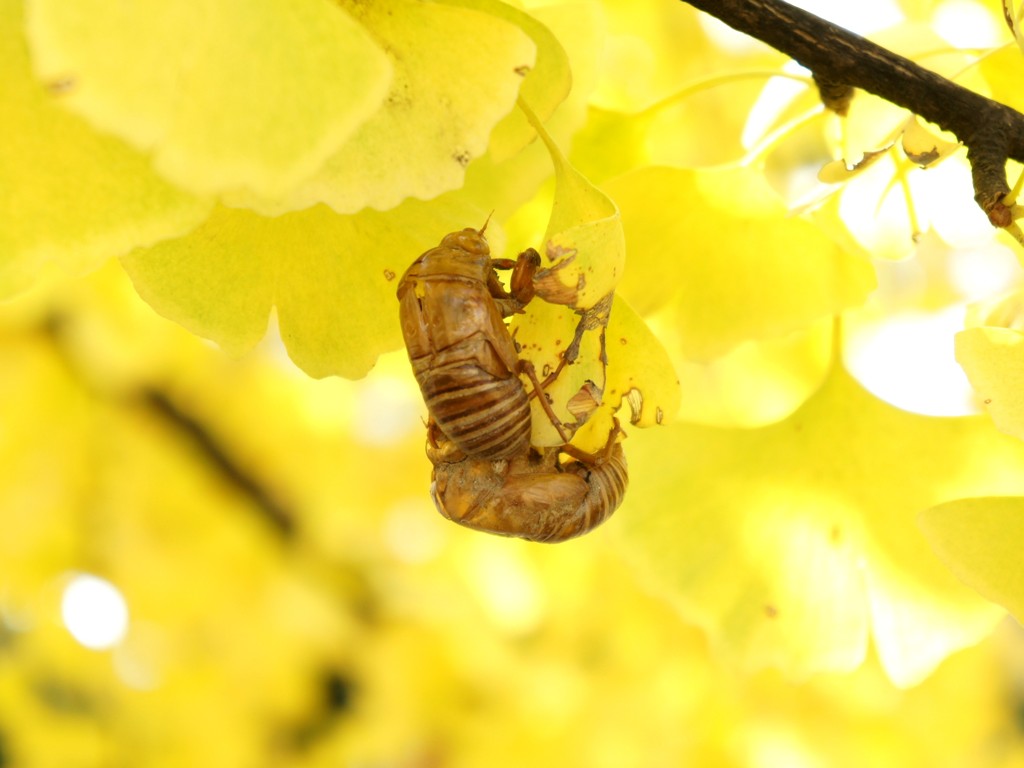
(719, 80)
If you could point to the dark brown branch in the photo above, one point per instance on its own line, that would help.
(992, 132)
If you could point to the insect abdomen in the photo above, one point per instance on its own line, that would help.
(485, 416)
(607, 485)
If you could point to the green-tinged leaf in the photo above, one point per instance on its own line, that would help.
(638, 370)
(332, 278)
(654, 49)
(792, 543)
(610, 143)
(457, 72)
(581, 29)
(226, 95)
(564, 329)
(504, 183)
(544, 334)
(545, 85)
(583, 245)
(993, 359)
(640, 376)
(719, 253)
(757, 383)
(69, 196)
(981, 541)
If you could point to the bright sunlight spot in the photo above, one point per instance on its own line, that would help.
(773, 745)
(506, 585)
(776, 95)
(725, 37)
(908, 362)
(967, 25)
(94, 612)
(979, 273)
(388, 412)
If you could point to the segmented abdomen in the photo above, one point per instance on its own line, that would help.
(607, 484)
(485, 416)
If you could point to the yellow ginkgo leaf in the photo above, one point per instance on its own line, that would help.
(564, 330)
(545, 335)
(610, 144)
(639, 369)
(580, 29)
(1003, 70)
(618, 359)
(993, 359)
(757, 383)
(640, 376)
(584, 248)
(643, 60)
(439, 111)
(888, 202)
(839, 171)
(545, 85)
(226, 95)
(991, 352)
(981, 540)
(332, 278)
(509, 175)
(719, 253)
(791, 543)
(924, 144)
(71, 196)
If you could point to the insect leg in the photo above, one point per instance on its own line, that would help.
(600, 457)
(538, 391)
(521, 285)
(441, 450)
(593, 319)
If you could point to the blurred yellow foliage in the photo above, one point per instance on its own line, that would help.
(217, 552)
(294, 600)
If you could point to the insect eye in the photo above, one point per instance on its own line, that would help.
(469, 240)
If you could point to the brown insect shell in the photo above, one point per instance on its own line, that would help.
(446, 296)
(531, 496)
(451, 308)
